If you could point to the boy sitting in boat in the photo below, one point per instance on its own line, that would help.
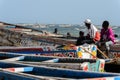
(81, 39)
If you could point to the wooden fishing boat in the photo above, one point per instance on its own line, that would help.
(11, 38)
(35, 72)
(77, 53)
(40, 50)
(18, 72)
(85, 51)
(52, 61)
(27, 49)
(59, 61)
(39, 58)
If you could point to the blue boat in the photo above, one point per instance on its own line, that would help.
(36, 71)
(39, 58)
(40, 50)
(61, 62)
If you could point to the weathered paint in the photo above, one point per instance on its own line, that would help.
(19, 69)
(40, 50)
(104, 78)
(53, 60)
(4, 75)
(39, 58)
(58, 72)
(15, 58)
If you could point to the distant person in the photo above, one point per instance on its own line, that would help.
(81, 39)
(116, 35)
(68, 35)
(93, 35)
(55, 31)
(107, 35)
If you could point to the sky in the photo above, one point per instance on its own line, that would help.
(60, 11)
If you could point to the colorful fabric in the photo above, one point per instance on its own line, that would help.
(107, 35)
(97, 36)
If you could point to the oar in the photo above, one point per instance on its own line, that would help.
(102, 53)
(111, 60)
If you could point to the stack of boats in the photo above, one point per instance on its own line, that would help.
(30, 57)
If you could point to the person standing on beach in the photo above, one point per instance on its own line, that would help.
(93, 35)
(68, 35)
(107, 36)
(55, 31)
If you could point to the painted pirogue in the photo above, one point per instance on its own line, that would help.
(18, 71)
(11, 38)
(25, 66)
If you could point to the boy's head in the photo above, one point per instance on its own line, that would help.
(105, 24)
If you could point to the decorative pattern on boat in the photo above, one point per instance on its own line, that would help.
(114, 51)
(98, 66)
(83, 51)
(115, 48)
